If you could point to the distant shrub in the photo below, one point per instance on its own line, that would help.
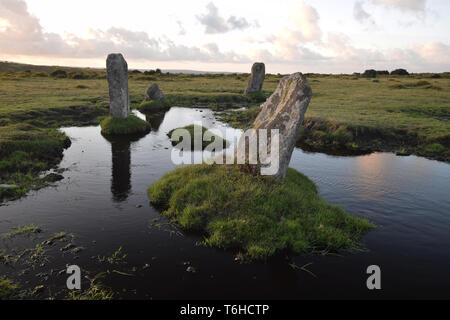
(81, 86)
(59, 73)
(146, 77)
(400, 72)
(78, 75)
(383, 72)
(370, 74)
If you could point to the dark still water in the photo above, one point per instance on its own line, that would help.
(103, 202)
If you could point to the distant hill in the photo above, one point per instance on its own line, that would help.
(6, 66)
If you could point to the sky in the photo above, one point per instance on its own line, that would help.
(326, 36)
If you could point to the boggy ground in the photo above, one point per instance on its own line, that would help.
(347, 115)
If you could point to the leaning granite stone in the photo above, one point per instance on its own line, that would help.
(284, 110)
(117, 75)
(256, 80)
(154, 93)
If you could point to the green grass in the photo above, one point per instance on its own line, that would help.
(95, 292)
(215, 100)
(240, 118)
(7, 288)
(118, 257)
(33, 104)
(128, 126)
(256, 216)
(23, 230)
(191, 129)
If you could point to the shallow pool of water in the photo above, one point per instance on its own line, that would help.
(103, 202)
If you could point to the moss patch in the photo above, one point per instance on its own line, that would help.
(127, 126)
(191, 128)
(255, 215)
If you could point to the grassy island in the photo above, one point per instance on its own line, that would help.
(256, 216)
(190, 129)
(128, 126)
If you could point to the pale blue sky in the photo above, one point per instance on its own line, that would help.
(227, 35)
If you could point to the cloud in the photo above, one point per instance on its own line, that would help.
(362, 15)
(305, 21)
(404, 5)
(300, 44)
(214, 23)
(429, 57)
(22, 34)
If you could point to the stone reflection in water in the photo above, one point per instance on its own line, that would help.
(155, 119)
(121, 169)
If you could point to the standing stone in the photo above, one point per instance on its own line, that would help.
(256, 80)
(117, 75)
(154, 93)
(285, 111)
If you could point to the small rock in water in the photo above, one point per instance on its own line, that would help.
(76, 250)
(67, 247)
(139, 206)
(191, 269)
(146, 266)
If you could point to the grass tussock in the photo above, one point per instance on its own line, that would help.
(7, 288)
(257, 216)
(191, 129)
(127, 126)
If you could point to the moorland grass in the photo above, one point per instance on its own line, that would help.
(214, 100)
(191, 129)
(417, 115)
(253, 215)
(130, 125)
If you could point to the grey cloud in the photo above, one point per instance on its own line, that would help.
(214, 23)
(405, 5)
(23, 35)
(360, 14)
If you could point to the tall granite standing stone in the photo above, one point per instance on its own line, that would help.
(117, 75)
(154, 93)
(256, 80)
(285, 111)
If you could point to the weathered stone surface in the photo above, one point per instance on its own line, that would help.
(284, 110)
(256, 80)
(117, 75)
(154, 93)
